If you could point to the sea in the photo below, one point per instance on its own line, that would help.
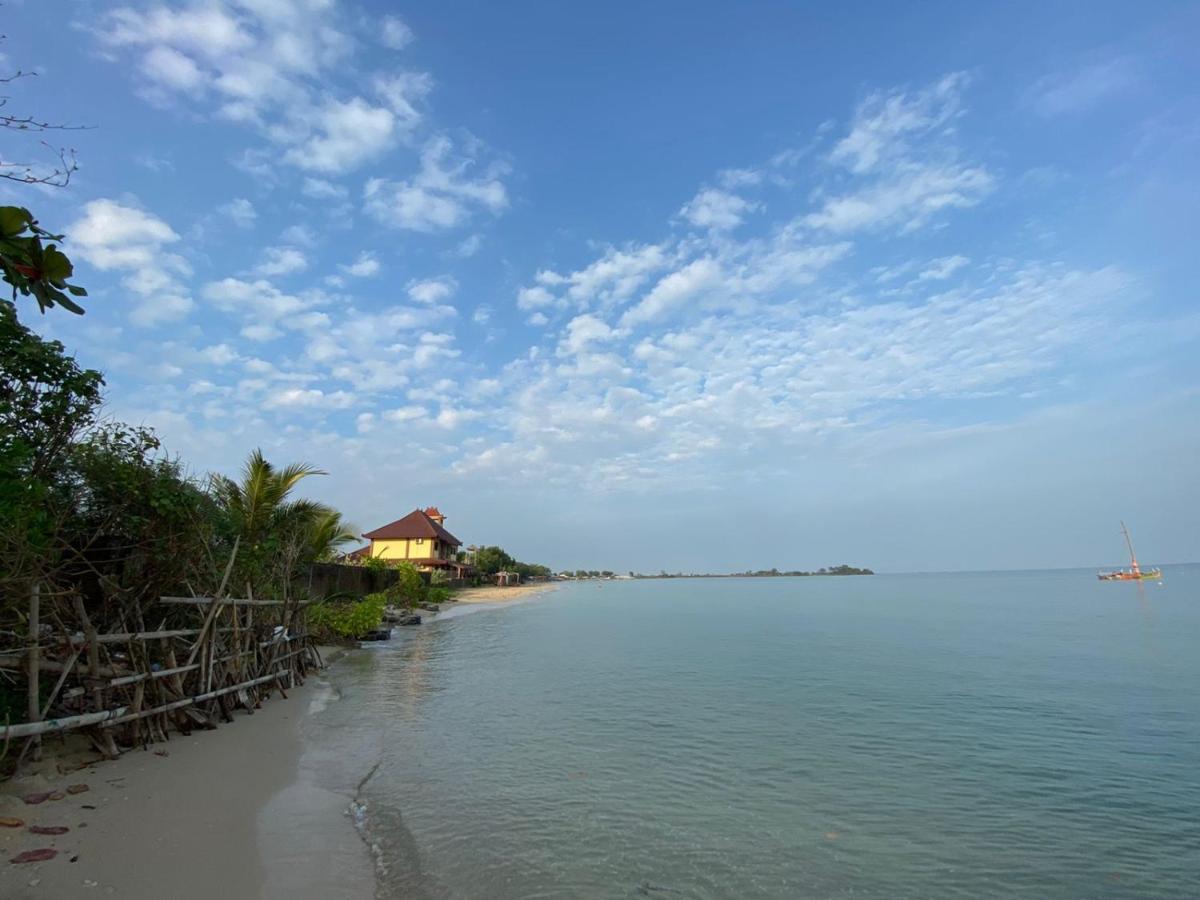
(1004, 734)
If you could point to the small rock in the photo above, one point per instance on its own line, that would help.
(57, 795)
(77, 788)
(40, 797)
(161, 753)
(48, 829)
(41, 855)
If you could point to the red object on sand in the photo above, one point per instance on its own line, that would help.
(34, 799)
(35, 855)
(48, 829)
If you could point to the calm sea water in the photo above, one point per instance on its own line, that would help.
(985, 735)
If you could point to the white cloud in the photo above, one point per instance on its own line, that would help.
(115, 237)
(281, 261)
(265, 309)
(406, 413)
(171, 68)
(468, 247)
(219, 354)
(432, 290)
(442, 195)
(320, 189)
(1086, 88)
(298, 235)
(912, 195)
(885, 121)
(240, 212)
(310, 397)
(344, 134)
(941, 269)
(674, 289)
(402, 93)
(583, 330)
(394, 33)
(712, 208)
(364, 267)
(534, 297)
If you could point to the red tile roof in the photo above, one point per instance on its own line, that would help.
(416, 524)
(434, 513)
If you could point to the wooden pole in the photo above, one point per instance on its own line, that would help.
(65, 724)
(35, 659)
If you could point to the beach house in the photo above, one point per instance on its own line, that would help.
(419, 538)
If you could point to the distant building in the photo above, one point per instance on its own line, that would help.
(419, 538)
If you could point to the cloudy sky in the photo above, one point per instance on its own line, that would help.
(641, 286)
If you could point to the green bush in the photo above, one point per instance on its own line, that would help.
(347, 620)
(376, 564)
(410, 588)
(439, 594)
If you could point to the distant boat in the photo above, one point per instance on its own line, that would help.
(1134, 572)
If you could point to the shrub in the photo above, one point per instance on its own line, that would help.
(439, 594)
(347, 620)
(376, 564)
(410, 588)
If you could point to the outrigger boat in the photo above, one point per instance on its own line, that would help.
(1134, 572)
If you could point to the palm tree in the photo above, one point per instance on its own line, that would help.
(329, 532)
(258, 506)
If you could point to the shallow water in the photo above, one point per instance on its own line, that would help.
(984, 735)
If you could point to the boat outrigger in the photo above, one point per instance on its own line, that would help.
(1134, 572)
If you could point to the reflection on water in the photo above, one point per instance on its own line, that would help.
(1006, 735)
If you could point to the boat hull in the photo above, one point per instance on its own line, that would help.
(1151, 575)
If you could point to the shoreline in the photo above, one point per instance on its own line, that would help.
(495, 594)
(183, 819)
(232, 811)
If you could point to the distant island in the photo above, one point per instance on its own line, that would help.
(757, 574)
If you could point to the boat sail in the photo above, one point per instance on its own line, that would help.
(1134, 572)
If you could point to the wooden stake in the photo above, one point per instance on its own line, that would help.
(35, 659)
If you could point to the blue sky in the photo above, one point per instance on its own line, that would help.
(642, 286)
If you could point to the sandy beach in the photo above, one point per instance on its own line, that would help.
(180, 820)
(493, 594)
(224, 812)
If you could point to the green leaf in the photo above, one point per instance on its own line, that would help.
(69, 305)
(76, 290)
(55, 265)
(14, 220)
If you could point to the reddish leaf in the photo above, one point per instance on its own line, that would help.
(77, 788)
(9, 822)
(35, 855)
(41, 797)
(48, 829)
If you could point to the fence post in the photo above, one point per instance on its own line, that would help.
(35, 662)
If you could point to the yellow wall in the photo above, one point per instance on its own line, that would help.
(410, 549)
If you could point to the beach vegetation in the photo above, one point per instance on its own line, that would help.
(347, 619)
(410, 588)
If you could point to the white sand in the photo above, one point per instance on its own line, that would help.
(186, 825)
(494, 594)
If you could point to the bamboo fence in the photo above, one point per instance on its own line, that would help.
(131, 687)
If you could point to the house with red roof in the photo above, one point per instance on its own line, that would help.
(420, 538)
